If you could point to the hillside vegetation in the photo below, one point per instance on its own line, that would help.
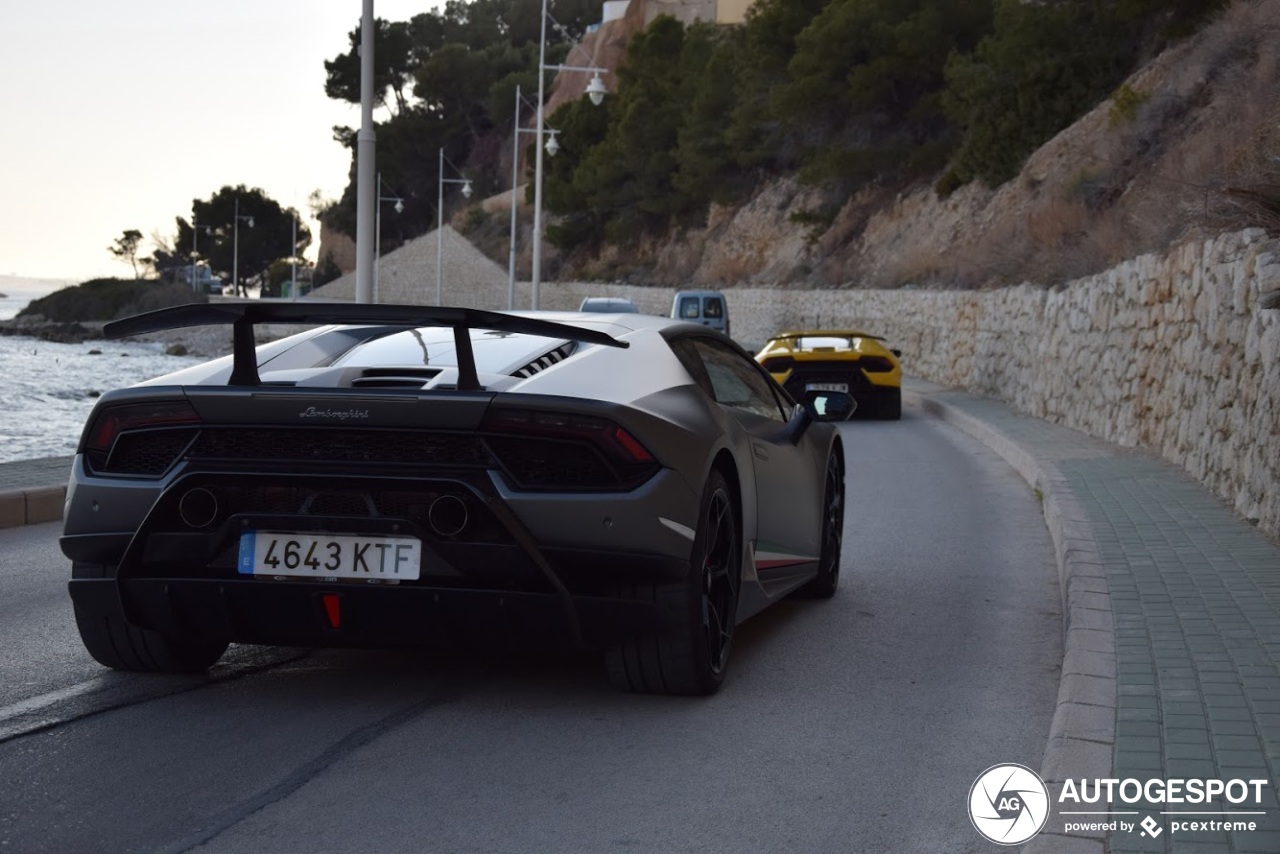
(1187, 146)
(982, 142)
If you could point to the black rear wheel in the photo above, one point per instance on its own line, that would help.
(824, 584)
(692, 655)
(115, 643)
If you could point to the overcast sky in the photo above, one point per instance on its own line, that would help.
(117, 113)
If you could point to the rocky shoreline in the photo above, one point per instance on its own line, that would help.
(61, 332)
(204, 341)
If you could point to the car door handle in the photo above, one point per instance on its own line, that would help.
(760, 450)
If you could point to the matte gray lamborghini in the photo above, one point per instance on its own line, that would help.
(631, 483)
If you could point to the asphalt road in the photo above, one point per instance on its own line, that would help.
(852, 725)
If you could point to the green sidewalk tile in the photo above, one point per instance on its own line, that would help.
(1130, 761)
(1183, 769)
(1146, 728)
(1235, 728)
(1257, 842)
(1188, 751)
(1247, 743)
(1229, 713)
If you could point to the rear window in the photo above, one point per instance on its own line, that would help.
(713, 307)
(689, 308)
(608, 305)
(495, 352)
(823, 342)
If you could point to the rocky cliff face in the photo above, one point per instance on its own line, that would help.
(1112, 186)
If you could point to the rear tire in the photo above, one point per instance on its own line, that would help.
(824, 584)
(115, 643)
(692, 655)
(889, 404)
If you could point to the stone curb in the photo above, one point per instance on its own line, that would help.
(1082, 735)
(31, 506)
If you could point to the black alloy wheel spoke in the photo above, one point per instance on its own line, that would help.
(835, 510)
(718, 595)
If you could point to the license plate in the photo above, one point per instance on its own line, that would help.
(826, 387)
(329, 556)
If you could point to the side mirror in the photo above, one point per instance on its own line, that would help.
(829, 405)
(896, 352)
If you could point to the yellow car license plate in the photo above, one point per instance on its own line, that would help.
(826, 387)
(329, 556)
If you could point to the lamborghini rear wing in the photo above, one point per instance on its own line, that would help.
(825, 333)
(243, 316)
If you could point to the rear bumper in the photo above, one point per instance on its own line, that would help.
(535, 564)
(256, 611)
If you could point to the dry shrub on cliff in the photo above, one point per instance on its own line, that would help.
(1195, 152)
(1200, 156)
(727, 269)
(1252, 195)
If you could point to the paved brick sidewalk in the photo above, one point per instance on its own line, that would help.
(1173, 631)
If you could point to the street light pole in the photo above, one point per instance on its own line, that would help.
(552, 148)
(535, 272)
(195, 252)
(377, 240)
(466, 192)
(515, 178)
(365, 159)
(235, 249)
(293, 261)
(595, 90)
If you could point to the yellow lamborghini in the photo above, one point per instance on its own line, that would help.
(831, 360)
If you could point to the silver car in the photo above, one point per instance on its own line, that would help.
(399, 473)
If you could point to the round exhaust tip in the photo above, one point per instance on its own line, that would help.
(198, 507)
(447, 515)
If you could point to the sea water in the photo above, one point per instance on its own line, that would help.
(47, 389)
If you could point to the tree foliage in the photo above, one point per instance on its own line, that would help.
(844, 92)
(1042, 67)
(452, 73)
(866, 82)
(126, 249)
(232, 247)
(394, 64)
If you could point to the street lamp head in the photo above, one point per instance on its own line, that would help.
(552, 146)
(596, 89)
(251, 222)
(399, 206)
(466, 189)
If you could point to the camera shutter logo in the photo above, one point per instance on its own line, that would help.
(1008, 804)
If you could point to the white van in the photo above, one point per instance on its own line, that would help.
(706, 307)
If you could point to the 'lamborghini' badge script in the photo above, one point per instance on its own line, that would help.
(339, 414)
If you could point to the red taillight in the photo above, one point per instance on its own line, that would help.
(616, 443)
(875, 364)
(628, 442)
(111, 422)
(778, 364)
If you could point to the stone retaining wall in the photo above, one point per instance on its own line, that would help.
(1177, 354)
